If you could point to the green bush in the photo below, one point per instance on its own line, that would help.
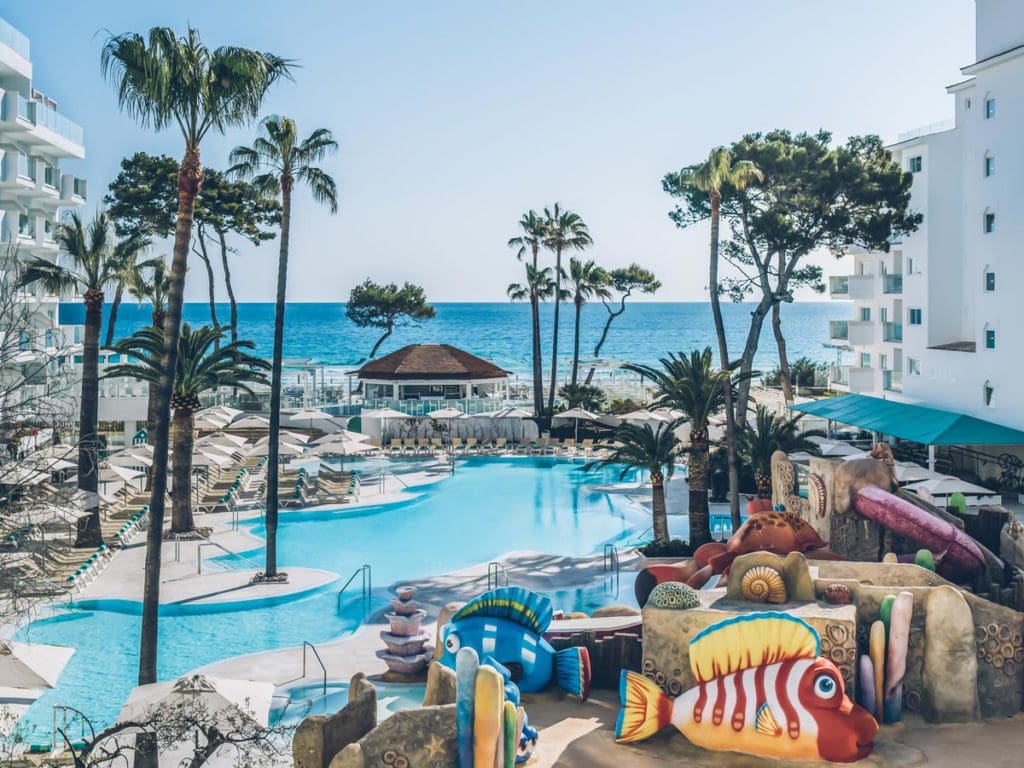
(674, 548)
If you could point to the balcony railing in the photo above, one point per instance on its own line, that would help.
(892, 380)
(839, 286)
(892, 283)
(14, 39)
(892, 331)
(44, 115)
(839, 329)
(841, 375)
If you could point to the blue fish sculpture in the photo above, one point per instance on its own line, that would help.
(508, 624)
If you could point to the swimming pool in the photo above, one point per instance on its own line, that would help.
(490, 506)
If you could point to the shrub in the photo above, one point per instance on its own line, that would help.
(673, 548)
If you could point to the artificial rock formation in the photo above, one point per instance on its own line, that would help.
(319, 738)
(414, 738)
(950, 673)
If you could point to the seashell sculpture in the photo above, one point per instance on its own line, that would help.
(405, 653)
(763, 584)
(838, 594)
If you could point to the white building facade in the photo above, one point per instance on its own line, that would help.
(34, 138)
(938, 320)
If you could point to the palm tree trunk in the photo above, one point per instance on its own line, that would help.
(227, 284)
(538, 372)
(723, 351)
(205, 256)
(576, 344)
(659, 512)
(90, 530)
(780, 342)
(190, 178)
(275, 380)
(112, 320)
(181, 488)
(700, 521)
(554, 337)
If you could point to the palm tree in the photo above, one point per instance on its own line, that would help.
(275, 162)
(640, 447)
(529, 243)
(563, 230)
(768, 434)
(163, 80)
(128, 270)
(203, 365)
(586, 281)
(711, 177)
(151, 282)
(691, 384)
(96, 262)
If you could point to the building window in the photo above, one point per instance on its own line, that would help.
(912, 266)
(865, 314)
(988, 394)
(883, 362)
(990, 338)
(865, 359)
(914, 316)
(990, 107)
(967, 103)
(990, 281)
(23, 166)
(990, 223)
(915, 164)
(913, 366)
(990, 165)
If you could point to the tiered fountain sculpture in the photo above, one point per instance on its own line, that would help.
(405, 653)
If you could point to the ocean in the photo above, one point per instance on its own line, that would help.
(500, 331)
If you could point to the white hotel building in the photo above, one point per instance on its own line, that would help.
(939, 320)
(34, 138)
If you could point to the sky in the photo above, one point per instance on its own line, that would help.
(453, 118)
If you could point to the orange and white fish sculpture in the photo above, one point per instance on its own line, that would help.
(761, 690)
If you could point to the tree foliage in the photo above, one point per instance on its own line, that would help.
(376, 305)
(143, 197)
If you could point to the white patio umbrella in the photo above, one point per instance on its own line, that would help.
(340, 448)
(909, 472)
(284, 449)
(129, 458)
(114, 473)
(835, 448)
(344, 434)
(384, 414)
(310, 415)
(946, 485)
(285, 436)
(447, 414)
(22, 475)
(251, 422)
(221, 410)
(577, 415)
(216, 695)
(32, 665)
(511, 413)
(642, 414)
(205, 459)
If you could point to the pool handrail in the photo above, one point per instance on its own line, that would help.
(494, 570)
(366, 570)
(208, 543)
(610, 558)
(64, 709)
(307, 644)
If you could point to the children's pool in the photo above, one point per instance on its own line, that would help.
(490, 506)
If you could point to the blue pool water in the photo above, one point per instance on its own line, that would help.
(489, 507)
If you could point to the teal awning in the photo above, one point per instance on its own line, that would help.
(928, 426)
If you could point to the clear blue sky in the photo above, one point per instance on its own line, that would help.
(455, 117)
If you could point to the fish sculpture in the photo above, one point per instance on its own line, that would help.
(507, 625)
(761, 690)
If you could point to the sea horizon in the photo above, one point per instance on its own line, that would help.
(500, 331)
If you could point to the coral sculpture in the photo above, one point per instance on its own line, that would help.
(673, 595)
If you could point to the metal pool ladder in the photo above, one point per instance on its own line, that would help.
(366, 572)
(306, 644)
(495, 571)
(610, 558)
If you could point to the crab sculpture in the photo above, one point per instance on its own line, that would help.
(773, 530)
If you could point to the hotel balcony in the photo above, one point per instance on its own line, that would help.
(892, 332)
(14, 53)
(852, 286)
(892, 283)
(73, 190)
(861, 333)
(839, 330)
(892, 381)
(38, 123)
(853, 378)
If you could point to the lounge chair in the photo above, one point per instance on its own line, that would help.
(569, 446)
(588, 446)
(456, 443)
(499, 445)
(395, 446)
(471, 444)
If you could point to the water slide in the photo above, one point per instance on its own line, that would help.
(959, 554)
